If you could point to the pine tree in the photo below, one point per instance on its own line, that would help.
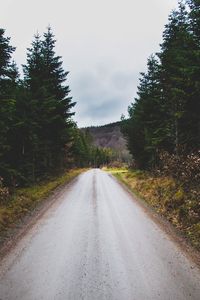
(194, 107)
(34, 67)
(8, 78)
(51, 106)
(32, 104)
(55, 78)
(6, 51)
(81, 148)
(176, 65)
(194, 6)
(145, 129)
(165, 115)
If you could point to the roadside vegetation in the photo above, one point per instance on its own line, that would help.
(20, 202)
(170, 197)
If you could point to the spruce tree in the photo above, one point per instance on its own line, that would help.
(194, 107)
(55, 78)
(176, 58)
(165, 115)
(145, 130)
(6, 51)
(194, 6)
(8, 78)
(51, 105)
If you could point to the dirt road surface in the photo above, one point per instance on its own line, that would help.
(97, 243)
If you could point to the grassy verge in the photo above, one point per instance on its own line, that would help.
(168, 198)
(25, 200)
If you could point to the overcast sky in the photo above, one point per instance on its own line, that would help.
(104, 45)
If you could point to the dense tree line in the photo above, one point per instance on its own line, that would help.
(165, 116)
(35, 112)
(38, 136)
(85, 153)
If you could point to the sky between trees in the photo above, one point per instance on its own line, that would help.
(104, 45)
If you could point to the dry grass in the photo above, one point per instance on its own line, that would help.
(168, 198)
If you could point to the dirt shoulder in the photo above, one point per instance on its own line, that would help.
(28, 205)
(152, 195)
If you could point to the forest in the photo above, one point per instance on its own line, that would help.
(38, 137)
(163, 127)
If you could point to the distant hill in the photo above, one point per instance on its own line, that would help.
(109, 136)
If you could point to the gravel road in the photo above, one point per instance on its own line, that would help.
(94, 243)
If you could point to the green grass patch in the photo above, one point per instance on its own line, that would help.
(115, 170)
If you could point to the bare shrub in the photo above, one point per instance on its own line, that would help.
(185, 168)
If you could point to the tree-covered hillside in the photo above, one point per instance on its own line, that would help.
(110, 136)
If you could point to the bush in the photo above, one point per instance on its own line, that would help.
(184, 168)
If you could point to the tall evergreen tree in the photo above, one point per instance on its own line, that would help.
(194, 6)
(55, 78)
(194, 108)
(6, 51)
(165, 115)
(145, 130)
(51, 105)
(8, 78)
(176, 58)
(33, 68)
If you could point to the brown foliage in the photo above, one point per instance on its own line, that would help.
(185, 168)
